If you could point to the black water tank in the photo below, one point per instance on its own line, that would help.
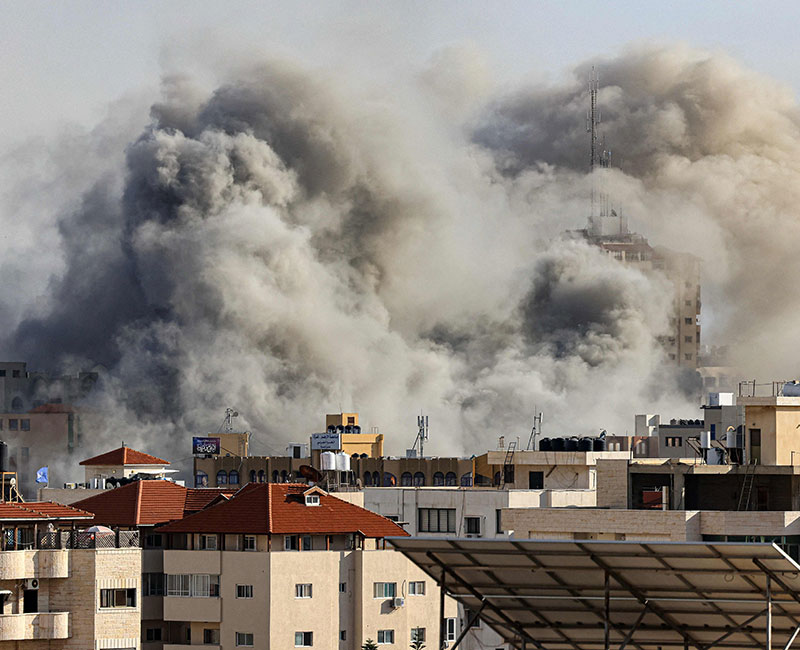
(545, 445)
(558, 444)
(585, 444)
(356, 428)
(572, 444)
(599, 444)
(3, 456)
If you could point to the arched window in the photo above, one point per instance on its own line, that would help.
(367, 479)
(450, 478)
(261, 476)
(233, 477)
(389, 480)
(275, 475)
(466, 479)
(200, 479)
(405, 479)
(438, 478)
(419, 478)
(16, 405)
(284, 476)
(222, 477)
(252, 476)
(376, 479)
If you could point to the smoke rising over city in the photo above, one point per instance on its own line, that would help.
(289, 245)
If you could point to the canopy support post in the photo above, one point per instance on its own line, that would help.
(635, 627)
(606, 612)
(470, 623)
(769, 612)
(792, 638)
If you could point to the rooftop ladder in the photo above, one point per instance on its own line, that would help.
(747, 487)
(508, 463)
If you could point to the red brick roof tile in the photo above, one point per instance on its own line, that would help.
(145, 503)
(41, 511)
(124, 456)
(279, 508)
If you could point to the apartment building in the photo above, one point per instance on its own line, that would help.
(62, 587)
(141, 506)
(315, 564)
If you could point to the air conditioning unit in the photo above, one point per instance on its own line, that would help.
(33, 583)
(398, 602)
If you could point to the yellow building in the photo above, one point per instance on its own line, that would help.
(772, 428)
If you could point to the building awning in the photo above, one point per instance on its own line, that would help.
(574, 595)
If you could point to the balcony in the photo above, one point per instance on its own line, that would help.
(20, 565)
(23, 627)
(198, 610)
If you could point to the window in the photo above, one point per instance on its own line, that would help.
(674, 441)
(303, 639)
(472, 525)
(153, 584)
(195, 585)
(261, 476)
(450, 629)
(419, 479)
(179, 585)
(466, 480)
(153, 540)
(342, 635)
(437, 520)
(688, 356)
(342, 587)
(416, 588)
(152, 634)
(233, 477)
(498, 524)
(469, 614)
(406, 479)
(417, 634)
(306, 542)
(367, 479)
(252, 476)
(15, 374)
(2, 373)
(117, 598)
(208, 542)
(688, 321)
(291, 543)
(385, 637)
(687, 339)
(244, 591)
(384, 589)
(312, 499)
(244, 639)
(450, 479)
(688, 303)
(438, 478)
(210, 635)
(13, 424)
(25, 424)
(672, 357)
(249, 542)
(536, 480)
(222, 477)
(302, 590)
(200, 479)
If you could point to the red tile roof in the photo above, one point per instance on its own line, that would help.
(145, 503)
(279, 508)
(124, 456)
(41, 511)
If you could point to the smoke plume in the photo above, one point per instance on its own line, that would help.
(289, 247)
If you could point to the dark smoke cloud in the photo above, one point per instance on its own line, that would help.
(289, 248)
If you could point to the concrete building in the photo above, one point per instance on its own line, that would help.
(316, 563)
(610, 233)
(64, 588)
(22, 390)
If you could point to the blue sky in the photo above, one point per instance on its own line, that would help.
(64, 61)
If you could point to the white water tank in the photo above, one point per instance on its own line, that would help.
(705, 439)
(342, 462)
(328, 460)
(791, 389)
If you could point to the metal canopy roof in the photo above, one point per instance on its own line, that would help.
(575, 595)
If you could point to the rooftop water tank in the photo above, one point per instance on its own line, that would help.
(571, 444)
(558, 444)
(342, 462)
(599, 444)
(791, 389)
(585, 444)
(328, 460)
(545, 445)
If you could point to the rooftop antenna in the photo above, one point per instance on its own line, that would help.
(422, 433)
(592, 127)
(227, 423)
(535, 431)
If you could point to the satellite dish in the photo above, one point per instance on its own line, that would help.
(12, 481)
(310, 473)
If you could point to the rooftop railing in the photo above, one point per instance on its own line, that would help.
(23, 539)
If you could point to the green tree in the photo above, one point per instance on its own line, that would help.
(369, 644)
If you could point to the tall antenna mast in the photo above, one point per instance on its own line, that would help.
(422, 433)
(592, 124)
(535, 431)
